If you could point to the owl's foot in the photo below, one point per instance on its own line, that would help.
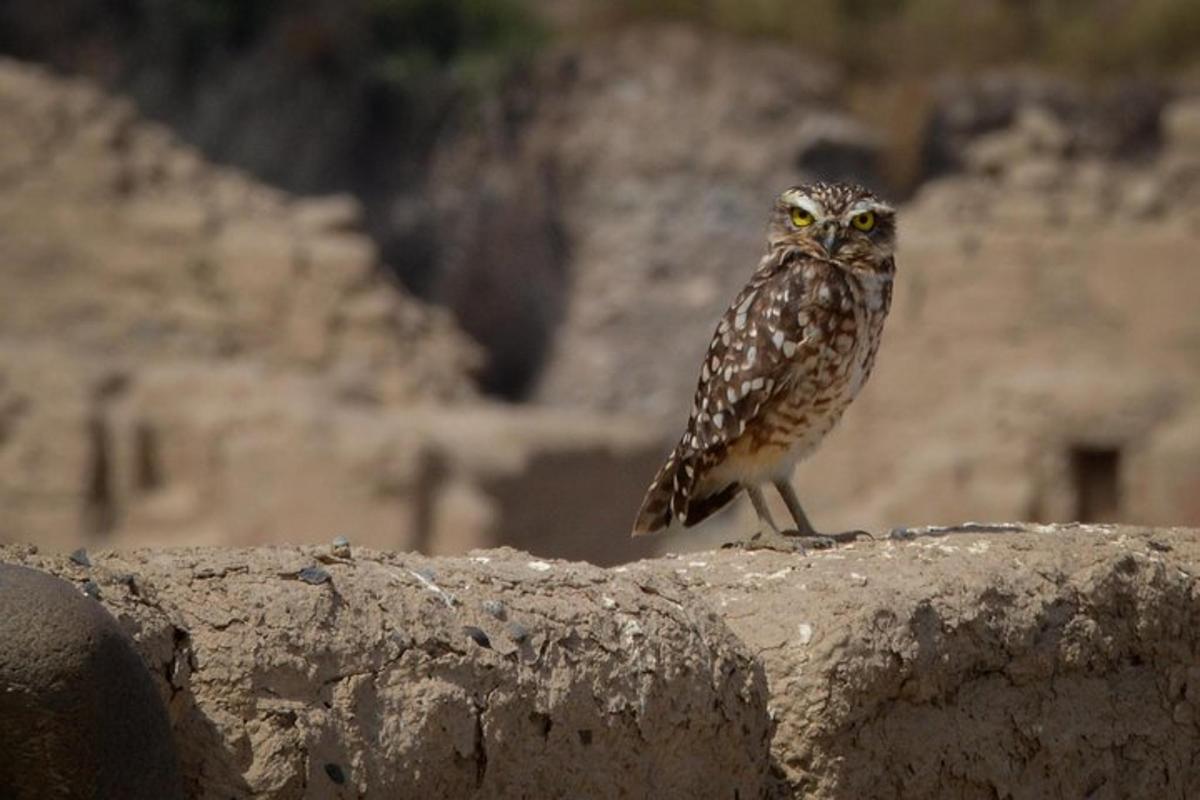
(826, 541)
(771, 540)
(785, 542)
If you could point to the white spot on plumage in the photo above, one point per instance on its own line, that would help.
(740, 321)
(778, 338)
(719, 419)
(789, 348)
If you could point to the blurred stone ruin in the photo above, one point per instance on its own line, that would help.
(191, 355)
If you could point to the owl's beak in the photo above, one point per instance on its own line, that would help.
(831, 241)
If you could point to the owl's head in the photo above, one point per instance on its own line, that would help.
(840, 222)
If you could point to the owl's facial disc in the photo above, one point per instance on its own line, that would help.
(839, 222)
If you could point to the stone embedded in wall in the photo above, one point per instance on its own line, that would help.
(82, 715)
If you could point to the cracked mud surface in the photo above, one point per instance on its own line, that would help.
(1055, 662)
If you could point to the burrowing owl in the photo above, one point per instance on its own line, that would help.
(788, 356)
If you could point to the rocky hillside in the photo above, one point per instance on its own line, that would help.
(124, 246)
(187, 355)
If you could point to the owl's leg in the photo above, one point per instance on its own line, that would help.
(760, 508)
(804, 528)
(770, 537)
(792, 501)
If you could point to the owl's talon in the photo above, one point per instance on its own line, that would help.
(849, 536)
(768, 540)
(827, 541)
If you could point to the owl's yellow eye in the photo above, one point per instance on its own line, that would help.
(864, 221)
(801, 218)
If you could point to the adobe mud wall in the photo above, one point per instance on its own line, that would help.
(1045, 661)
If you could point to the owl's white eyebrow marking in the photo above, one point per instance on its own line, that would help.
(867, 205)
(795, 198)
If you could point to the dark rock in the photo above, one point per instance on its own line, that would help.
(518, 632)
(478, 636)
(314, 575)
(81, 716)
(335, 774)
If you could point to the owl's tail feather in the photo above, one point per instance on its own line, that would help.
(671, 494)
(701, 508)
(655, 513)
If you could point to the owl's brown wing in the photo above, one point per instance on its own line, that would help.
(745, 366)
(754, 358)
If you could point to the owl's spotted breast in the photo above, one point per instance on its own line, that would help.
(841, 331)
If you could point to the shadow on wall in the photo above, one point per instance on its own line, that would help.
(503, 264)
(585, 506)
(571, 498)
